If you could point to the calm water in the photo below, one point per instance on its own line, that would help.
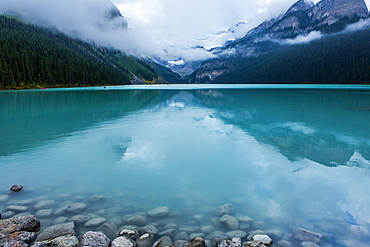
(288, 157)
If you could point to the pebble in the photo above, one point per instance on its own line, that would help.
(266, 240)
(44, 204)
(309, 244)
(94, 239)
(305, 235)
(75, 208)
(44, 213)
(95, 222)
(4, 198)
(16, 188)
(158, 212)
(224, 209)
(17, 208)
(236, 234)
(123, 242)
(230, 221)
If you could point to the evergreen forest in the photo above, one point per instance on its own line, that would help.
(36, 57)
(334, 59)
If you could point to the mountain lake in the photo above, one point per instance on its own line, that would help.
(284, 156)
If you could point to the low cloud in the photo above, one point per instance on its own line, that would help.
(303, 39)
(361, 24)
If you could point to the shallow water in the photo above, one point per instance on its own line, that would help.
(288, 157)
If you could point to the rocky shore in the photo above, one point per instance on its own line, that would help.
(46, 222)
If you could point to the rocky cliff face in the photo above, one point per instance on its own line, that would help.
(300, 19)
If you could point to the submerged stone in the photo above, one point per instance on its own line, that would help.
(145, 240)
(134, 219)
(159, 212)
(17, 208)
(163, 242)
(108, 228)
(44, 213)
(230, 221)
(181, 236)
(236, 234)
(95, 222)
(148, 229)
(75, 208)
(224, 209)
(305, 235)
(44, 204)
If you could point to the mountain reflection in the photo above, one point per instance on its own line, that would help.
(325, 126)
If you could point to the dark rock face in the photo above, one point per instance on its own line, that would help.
(94, 239)
(145, 240)
(16, 188)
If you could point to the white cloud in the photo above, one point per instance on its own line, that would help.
(302, 39)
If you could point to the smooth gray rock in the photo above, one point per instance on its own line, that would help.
(123, 242)
(4, 198)
(116, 220)
(305, 235)
(158, 212)
(181, 236)
(44, 213)
(309, 244)
(60, 220)
(169, 232)
(57, 231)
(284, 243)
(207, 229)
(189, 229)
(260, 225)
(195, 242)
(163, 242)
(80, 218)
(97, 198)
(233, 242)
(129, 233)
(215, 234)
(75, 208)
(266, 240)
(148, 229)
(230, 221)
(236, 234)
(145, 240)
(24, 202)
(170, 226)
(244, 218)
(63, 207)
(8, 214)
(134, 219)
(224, 209)
(44, 204)
(95, 222)
(108, 228)
(17, 208)
(94, 239)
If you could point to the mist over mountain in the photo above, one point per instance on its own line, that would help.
(302, 23)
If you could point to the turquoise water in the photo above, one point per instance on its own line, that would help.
(296, 156)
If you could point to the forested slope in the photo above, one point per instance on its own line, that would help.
(341, 58)
(35, 57)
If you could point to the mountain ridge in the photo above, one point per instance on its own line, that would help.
(302, 21)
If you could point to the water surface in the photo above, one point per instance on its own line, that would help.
(292, 157)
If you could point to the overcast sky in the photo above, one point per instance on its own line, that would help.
(165, 28)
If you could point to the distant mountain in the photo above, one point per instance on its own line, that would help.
(302, 23)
